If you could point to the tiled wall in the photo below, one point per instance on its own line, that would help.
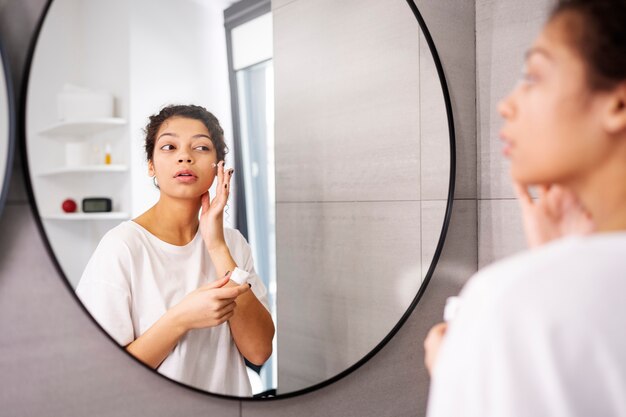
(54, 361)
(504, 30)
(362, 145)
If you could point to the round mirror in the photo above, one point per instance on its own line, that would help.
(6, 127)
(338, 124)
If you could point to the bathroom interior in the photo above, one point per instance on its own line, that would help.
(369, 184)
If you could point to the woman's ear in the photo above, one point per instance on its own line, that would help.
(151, 169)
(615, 119)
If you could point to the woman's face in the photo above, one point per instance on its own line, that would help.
(184, 158)
(552, 131)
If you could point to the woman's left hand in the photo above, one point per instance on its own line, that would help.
(432, 344)
(212, 214)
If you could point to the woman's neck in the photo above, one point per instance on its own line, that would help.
(172, 220)
(603, 193)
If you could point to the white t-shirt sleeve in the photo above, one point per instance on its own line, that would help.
(105, 291)
(242, 253)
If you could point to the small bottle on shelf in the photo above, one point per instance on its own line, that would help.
(107, 154)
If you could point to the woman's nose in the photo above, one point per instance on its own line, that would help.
(505, 107)
(184, 156)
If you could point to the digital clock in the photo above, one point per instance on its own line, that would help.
(97, 205)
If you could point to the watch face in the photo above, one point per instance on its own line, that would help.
(91, 205)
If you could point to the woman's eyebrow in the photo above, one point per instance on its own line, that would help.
(201, 135)
(166, 134)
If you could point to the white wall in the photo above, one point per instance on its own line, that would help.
(175, 58)
(77, 46)
(147, 57)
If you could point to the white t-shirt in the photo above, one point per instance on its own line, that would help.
(542, 333)
(133, 278)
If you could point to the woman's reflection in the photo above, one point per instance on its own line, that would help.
(179, 290)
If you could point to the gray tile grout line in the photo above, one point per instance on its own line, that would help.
(478, 144)
(373, 201)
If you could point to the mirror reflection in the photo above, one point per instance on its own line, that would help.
(333, 118)
(5, 132)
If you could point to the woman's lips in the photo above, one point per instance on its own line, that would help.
(507, 145)
(186, 176)
(186, 179)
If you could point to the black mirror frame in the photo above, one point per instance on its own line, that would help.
(8, 169)
(380, 345)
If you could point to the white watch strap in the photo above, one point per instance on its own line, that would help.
(239, 276)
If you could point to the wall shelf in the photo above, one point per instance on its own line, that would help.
(85, 169)
(115, 215)
(71, 131)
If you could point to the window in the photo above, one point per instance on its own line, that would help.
(249, 43)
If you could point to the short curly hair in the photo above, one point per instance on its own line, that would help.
(189, 111)
(597, 31)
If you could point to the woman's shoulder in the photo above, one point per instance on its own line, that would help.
(124, 236)
(566, 278)
(110, 261)
(574, 255)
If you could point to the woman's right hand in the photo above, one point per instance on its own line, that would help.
(208, 306)
(555, 214)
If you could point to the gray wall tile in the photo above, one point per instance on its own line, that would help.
(504, 31)
(394, 382)
(347, 101)
(460, 239)
(452, 26)
(434, 132)
(500, 231)
(433, 216)
(390, 384)
(346, 273)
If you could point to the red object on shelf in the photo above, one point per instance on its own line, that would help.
(69, 206)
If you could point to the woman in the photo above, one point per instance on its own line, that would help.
(542, 333)
(178, 291)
